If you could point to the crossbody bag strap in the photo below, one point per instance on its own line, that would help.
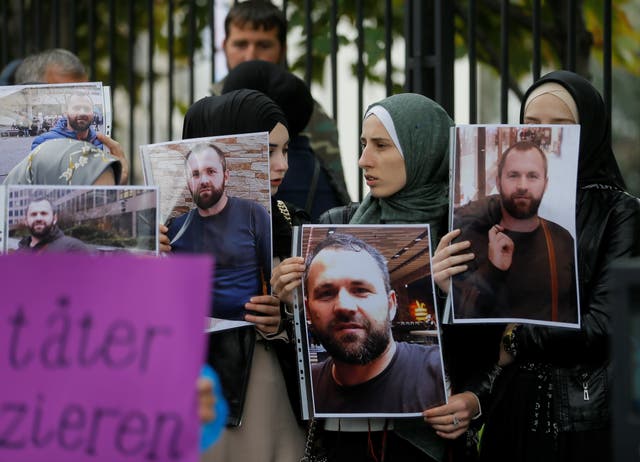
(553, 270)
(284, 211)
(184, 227)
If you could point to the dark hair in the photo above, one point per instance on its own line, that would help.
(257, 14)
(34, 67)
(521, 146)
(204, 147)
(349, 243)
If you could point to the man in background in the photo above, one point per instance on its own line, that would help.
(257, 30)
(56, 65)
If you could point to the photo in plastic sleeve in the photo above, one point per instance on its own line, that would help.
(371, 326)
(3, 203)
(87, 219)
(513, 198)
(32, 114)
(635, 356)
(196, 175)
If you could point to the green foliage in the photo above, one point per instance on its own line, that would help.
(626, 43)
(554, 26)
(374, 34)
(131, 20)
(128, 20)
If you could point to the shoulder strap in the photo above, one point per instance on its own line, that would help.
(184, 227)
(553, 270)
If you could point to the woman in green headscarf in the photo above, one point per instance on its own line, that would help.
(66, 162)
(405, 162)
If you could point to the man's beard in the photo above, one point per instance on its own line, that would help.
(44, 232)
(521, 211)
(351, 348)
(215, 194)
(79, 125)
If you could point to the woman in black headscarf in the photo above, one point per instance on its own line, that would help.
(309, 184)
(252, 362)
(551, 401)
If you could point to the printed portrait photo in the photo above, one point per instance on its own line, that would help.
(371, 325)
(33, 114)
(513, 198)
(95, 219)
(215, 199)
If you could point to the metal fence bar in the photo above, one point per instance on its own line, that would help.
(473, 63)
(191, 50)
(606, 57)
(150, 73)
(571, 35)
(504, 61)
(55, 5)
(535, 32)
(131, 83)
(308, 28)
(112, 54)
(73, 46)
(212, 37)
(4, 47)
(360, 75)
(444, 53)
(92, 40)
(388, 37)
(285, 5)
(171, 58)
(37, 24)
(415, 51)
(334, 59)
(22, 34)
(429, 61)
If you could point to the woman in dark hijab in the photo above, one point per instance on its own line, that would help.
(249, 111)
(405, 158)
(285, 89)
(597, 164)
(551, 400)
(247, 359)
(310, 184)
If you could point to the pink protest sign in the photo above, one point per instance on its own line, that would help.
(99, 357)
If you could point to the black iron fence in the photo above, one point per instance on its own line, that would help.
(151, 53)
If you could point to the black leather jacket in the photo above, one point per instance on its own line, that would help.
(230, 354)
(607, 223)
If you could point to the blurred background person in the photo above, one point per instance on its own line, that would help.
(257, 30)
